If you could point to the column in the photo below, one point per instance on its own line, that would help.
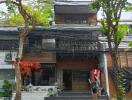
(106, 74)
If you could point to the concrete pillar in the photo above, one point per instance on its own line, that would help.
(106, 74)
(59, 75)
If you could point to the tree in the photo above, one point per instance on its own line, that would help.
(29, 22)
(114, 32)
(27, 66)
(41, 16)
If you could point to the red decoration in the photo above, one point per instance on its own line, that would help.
(26, 66)
(95, 73)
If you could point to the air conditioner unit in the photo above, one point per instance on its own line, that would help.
(8, 57)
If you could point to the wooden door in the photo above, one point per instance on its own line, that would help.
(80, 81)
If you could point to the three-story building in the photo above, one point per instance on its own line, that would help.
(70, 48)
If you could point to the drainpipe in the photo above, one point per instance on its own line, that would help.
(106, 71)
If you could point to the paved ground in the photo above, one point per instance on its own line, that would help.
(33, 95)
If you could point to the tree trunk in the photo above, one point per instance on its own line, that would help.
(18, 81)
(17, 67)
(119, 84)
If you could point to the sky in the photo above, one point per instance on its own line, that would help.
(124, 16)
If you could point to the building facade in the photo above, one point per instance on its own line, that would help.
(73, 45)
(68, 50)
(8, 44)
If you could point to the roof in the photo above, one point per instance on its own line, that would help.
(53, 27)
(126, 16)
(75, 27)
(69, 2)
(57, 31)
(61, 32)
(73, 9)
(9, 30)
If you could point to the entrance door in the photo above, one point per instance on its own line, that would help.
(67, 79)
(80, 81)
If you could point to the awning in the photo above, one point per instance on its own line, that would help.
(41, 57)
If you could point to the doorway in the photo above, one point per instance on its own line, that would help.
(67, 79)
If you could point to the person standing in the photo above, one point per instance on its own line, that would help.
(95, 84)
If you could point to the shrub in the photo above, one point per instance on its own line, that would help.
(6, 90)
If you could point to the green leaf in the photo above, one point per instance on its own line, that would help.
(130, 43)
(121, 32)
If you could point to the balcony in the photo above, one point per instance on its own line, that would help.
(68, 46)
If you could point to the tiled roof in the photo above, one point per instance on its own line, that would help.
(9, 30)
(73, 9)
(69, 2)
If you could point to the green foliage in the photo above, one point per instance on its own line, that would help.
(14, 86)
(39, 10)
(110, 23)
(128, 7)
(40, 17)
(51, 92)
(96, 4)
(16, 20)
(104, 27)
(8, 2)
(113, 31)
(6, 90)
(122, 31)
(120, 86)
(130, 44)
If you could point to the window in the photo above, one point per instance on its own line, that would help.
(45, 76)
(48, 43)
(35, 41)
(80, 75)
(7, 74)
(8, 57)
(8, 44)
(75, 19)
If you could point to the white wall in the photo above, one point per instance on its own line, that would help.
(6, 65)
(7, 71)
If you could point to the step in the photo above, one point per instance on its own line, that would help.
(71, 95)
(74, 98)
(75, 94)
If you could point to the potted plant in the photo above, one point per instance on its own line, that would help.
(6, 90)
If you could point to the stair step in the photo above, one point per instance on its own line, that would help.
(73, 98)
(75, 94)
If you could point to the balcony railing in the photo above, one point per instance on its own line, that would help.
(66, 46)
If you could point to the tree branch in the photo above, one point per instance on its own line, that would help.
(15, 3)
(2, 2)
